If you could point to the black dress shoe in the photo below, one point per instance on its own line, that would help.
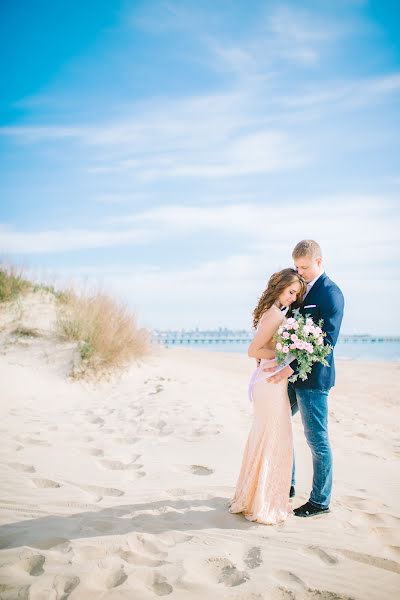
(309, 510)
(292, 491)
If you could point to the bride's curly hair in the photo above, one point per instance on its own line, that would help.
(277, 283)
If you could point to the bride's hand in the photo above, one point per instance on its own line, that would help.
(271, 366)
(286, 372)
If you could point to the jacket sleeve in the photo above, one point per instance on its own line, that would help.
(332, 314)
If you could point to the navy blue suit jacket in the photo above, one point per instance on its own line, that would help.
(324, 301)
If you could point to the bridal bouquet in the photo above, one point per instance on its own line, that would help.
(301, 339)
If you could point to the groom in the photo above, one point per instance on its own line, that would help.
(323, 300)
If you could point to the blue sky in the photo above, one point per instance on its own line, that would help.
(175, 152)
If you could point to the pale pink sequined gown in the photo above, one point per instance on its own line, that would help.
(263, 485)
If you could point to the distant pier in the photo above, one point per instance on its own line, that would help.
(226, 336)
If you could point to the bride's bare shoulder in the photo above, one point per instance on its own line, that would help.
(272, 314)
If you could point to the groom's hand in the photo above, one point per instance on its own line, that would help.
(286, 372)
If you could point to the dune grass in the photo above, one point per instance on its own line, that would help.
(22, 331)
(12, 283)
(105, 329)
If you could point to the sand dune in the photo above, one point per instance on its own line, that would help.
(120, 490)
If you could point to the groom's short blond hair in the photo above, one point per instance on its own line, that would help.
(308, 248)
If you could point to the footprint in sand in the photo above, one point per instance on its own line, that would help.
(46, 483)
(160, 585)
(155, 581)
(158, 388)
(172, 538)
(328, 559)
(15, 591)
(176, 492)
(96, 421)
(253, 559)
(64, 585)
(116, 465)
(199, 432)
(23, 468)
(100, 491)
(195, 469)
(289, 578)
(115, 578)
(107, 578)
(34, 441)
(363, 435)
(93, 451)
(147, 545)
(139, 474)
(33, 565)
(134, 558)
(222, 570)
(376, 561)
(126, 440)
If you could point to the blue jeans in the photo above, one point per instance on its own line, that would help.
(313, 406)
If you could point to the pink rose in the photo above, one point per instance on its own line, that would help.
(299, 344)
(293, 346)
(290, 321)
(309, 321)
(279, 346)
(285, 349)
(295, 326)
(294, 337)
(285, 335)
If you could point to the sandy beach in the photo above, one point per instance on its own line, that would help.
(119, 490)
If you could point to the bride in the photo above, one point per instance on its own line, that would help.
(263, 485)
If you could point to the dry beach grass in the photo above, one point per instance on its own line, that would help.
(105, 331)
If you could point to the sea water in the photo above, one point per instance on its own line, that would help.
(349, 350)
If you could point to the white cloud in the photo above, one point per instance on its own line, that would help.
(347, 94)
(20, 242)
(367, 222)
(209, 136)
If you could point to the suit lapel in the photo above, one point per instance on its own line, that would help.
(310, 296)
